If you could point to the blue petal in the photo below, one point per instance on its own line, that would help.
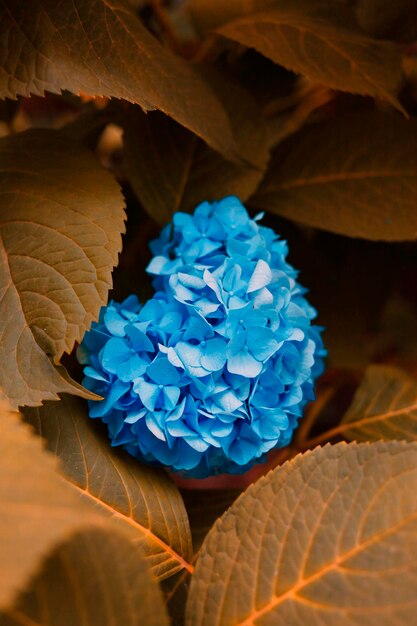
(139, 340)
(171, 321)
(261, 276)
(171, 356)
(237, 344)
(160, 371)
(261, 343)
(134, 415)
(147, 392)
(115, 391)
(114, 353)
(162, 265)
(92, 373)
(191, 281)
(197, 328)
(245, 364)
(228, 401)
(114, 322)
(130, 305)
(245, 446)
(132, 369)
(222, 429)
(263, 298)
(171, 395)
(153, 422)
(197, 443)
(214, 354)
(190, 357)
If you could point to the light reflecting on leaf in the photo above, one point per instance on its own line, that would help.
(324, 539)
(141, 500)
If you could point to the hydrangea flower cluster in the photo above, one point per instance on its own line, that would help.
(214, 370)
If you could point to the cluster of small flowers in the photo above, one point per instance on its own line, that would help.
(214, 370)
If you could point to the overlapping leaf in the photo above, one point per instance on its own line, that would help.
(100, 48)
(37, 507)
(141, 500)
(61, 218)
(355, 175)
(94, 578)
(378, 17)
(171, 169)
(174, 170)
(384, 407)
(324, 540)
(322, 42)
(208, 15)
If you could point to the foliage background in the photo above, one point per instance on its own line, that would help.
(115, 109)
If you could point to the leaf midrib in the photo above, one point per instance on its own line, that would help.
(139, 527)
(345, 426)
(336, 177)
(281, 20)
(292, 593)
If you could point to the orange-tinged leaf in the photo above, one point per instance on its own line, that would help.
(142, 500)
(61, 219)
(208, 15)
(392, 20)
(328, 538)
(95, 578)
(37, 507)
(322, 42)
(355, 175)
(384, 407)
(100, 48)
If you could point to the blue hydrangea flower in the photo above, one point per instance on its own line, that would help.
(215, 370)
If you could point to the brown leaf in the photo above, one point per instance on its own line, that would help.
(384, 407)
(355, 175)
(61, 219)
(94, 578)
(170, 169)
(208, 15)
(100, 48)
(393, 20)
(37, 507)
(322, 42)
(142, 500)
(323, 540)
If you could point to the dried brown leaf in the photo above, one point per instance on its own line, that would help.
(94, 578)
(324, 540)
(61, 219)
(100, 48)
(142, 501)
(355, 175)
